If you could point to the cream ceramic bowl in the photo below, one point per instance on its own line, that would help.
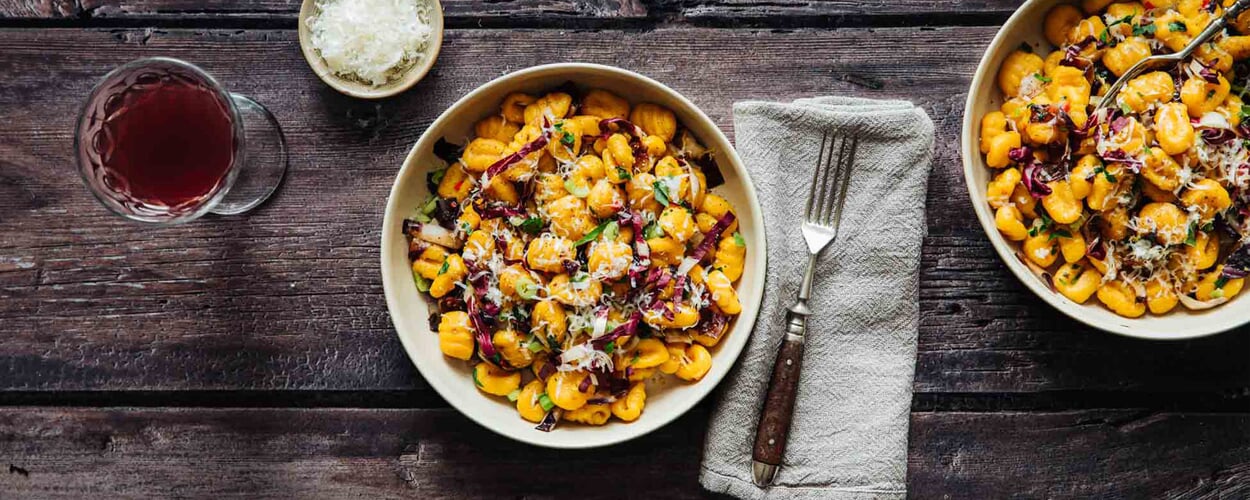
(1025, 26)
(666, 400)
(354, 88)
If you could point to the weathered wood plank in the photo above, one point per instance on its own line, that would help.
(70, 452)
(787, 12)
(287, 10)
(290, 297)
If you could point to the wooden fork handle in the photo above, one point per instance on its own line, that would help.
(774, 424)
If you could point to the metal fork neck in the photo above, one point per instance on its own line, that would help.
(805, 290)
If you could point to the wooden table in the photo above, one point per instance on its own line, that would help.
(253, 355)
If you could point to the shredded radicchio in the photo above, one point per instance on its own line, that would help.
(635, 136)
(624, 330)
(1033, 181)
(710, 239)
(1238, 263)
(1096, 248)
(1217, 136)
(514, 158)
(1072, 56)
(549, 421)
(642, 253)
(546, 371)
(496, 210)
(1119, 156)
(1019, 154)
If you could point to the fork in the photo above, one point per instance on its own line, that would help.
(820, 228)
(1216, 25)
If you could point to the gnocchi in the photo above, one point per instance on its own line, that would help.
(1147, 201)
(576, 251)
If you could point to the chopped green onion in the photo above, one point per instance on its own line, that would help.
(574, 189)
(423, 285)
(579, 277)
(652, 230)
(422, 218)
(535, 346)
(738, 240)
(475, 380)
(610, 347)
(1041, 78)
(514, 395)
(1217, 293)
(436, 177)
(430, 206)
(526, 288)
(545, 402)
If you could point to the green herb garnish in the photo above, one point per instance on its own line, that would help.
(443, 268)
(1191, 236)
(1221, 281)
(1040, 78)
(661, 193)
(514, 395)
(545, 402)
(423, 285)
(1176, 26)
(623, 174)
(738, 240)
(475, 380)
(610, 348)
(532, 225)
(594, 233)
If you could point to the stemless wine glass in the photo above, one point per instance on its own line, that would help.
(159, 140)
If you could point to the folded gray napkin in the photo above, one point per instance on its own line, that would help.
(848, 438)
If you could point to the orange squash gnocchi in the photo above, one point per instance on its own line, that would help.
(1148, 200)
(576, 248)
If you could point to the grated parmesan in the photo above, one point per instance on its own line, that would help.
(370, 40)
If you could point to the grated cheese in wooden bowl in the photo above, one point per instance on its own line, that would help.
(373, 41)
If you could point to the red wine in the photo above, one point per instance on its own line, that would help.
(172, 143)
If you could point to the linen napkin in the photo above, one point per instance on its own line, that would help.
(848, 438)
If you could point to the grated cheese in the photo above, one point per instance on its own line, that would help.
(370, 40)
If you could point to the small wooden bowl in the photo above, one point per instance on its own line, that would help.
(354, 88)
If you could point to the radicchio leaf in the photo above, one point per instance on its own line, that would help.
(1032, 181)
(623, 330)
(712, 236)
(500, 166)
(1237, 265)
(1019, 154)
(1217, 136)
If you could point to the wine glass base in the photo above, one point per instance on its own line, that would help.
(265, 160)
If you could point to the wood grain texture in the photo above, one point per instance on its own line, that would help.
(700, 11)
(76, 453)
(220, 11)
(773, 429)
(290, 297)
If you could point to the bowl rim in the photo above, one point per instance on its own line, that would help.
(729, 352)
(972, 161)
(410, 77)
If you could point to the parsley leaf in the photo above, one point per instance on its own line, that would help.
(1221, 281)
(1144, 30)
(610, 347)
(1191, 237)
(568, 139)
(622, 173)
(443, 269)
(1176, 26)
